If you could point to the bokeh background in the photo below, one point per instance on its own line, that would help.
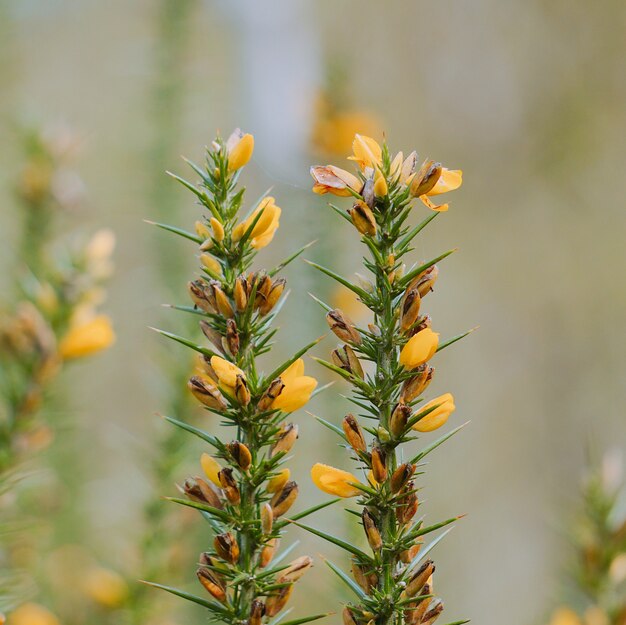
(528, 98)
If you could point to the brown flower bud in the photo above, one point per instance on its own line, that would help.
(284, 499)
(410, 309)
(267, 518)
(431, 616)
(278, 286)
(379, 468)
(241, 293)
(199, 490)
(408, 554)
(365, 579)
(407, 509)
(263, 288)
(213, 335)
(354, 433)
(371, 531)
(212, 582)
(419, 578)
(285, 439)
(257, 612)
(399, 418)
(425, 281)
(415, 386)
(345, 358)
(272, 392)
(426, 178)
(224, 306)
(242, 392)
(277, 601)
(226, 547)
(343, 327)
(415, 612)
(241, 454)
(267, 553)
(229, 484)
(206, 393)
(348, 617)
(363, 218)
(201, 296)
(232, 337)
(295, 570)
(401, 476)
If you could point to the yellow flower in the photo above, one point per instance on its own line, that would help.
(565, 616)
(436, 418)
(334, 481)
(211, 468)
(450, 180)
(32, 614)
(297, 390)
(226, 371)
(277, 482)
(87, 338)
(419, 349)
(366, 152)
(331, 179)
(240, 147)
(335, 134)
(265, 227)
(211, 264)
(105, 587)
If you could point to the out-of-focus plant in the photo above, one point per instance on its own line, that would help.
(393, 581)
(598, 571)
(50, 319)
(246, 491)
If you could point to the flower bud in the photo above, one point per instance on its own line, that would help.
(240, 147)
(199, 490)
(365, 580)
(371, 531)
(226, 547)
(425, 281)
(379, 468)
(415, 386)
(241, 293)
(284, 499)
(206, 394)
(354, 433)
(263, 288)
(431, 616)
(202, 230)
(277, 482)
(213, 335)
(345, 358)
(401, 476)
(272, 392)
(232, 337)
(202, 296)
(278, 286)
(399, 417)
(419, 578)
(241, 391)
(380, 184)
(440, 409)
(295, 570)
(408, 554)
(224, 306)
(218, 229)
(343, 327)
(267, 553)
(211, 264)
(278, 600)
(415, 613)
(241, 454)
(257, 612)
(410, 309)
(212, 582)
(426, 178)
(363, 218)
(408, 505)
(285, 439)
(419, 349)
(348, 617)
(267, 518)
(229, 484)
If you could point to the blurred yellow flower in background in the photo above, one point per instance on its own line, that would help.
(87, 338)
(32, 614)
(106, 587)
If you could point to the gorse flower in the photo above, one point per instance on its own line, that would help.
(393, 581)
(245, 492)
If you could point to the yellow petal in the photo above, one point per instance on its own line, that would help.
(270, 214)
(226, 371)
(367, 153)
(293, 371)
(211, 468)
(441, 208)
(331, 179)
(32, 614)
(87, 338)
(449, 180)
(295, 394)
(380, 185)
(419, 348)
(278, 481)
(435, 419)
(334, 481)
(241, 153)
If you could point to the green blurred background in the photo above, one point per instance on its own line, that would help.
(527, 97)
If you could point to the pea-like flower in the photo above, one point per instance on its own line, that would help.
(87, 338)
(226, 371)
(443, 408)
(419, 348)
(334, 481)
(297, 390)
(331, 179)
(239, 147)
(265, 227)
